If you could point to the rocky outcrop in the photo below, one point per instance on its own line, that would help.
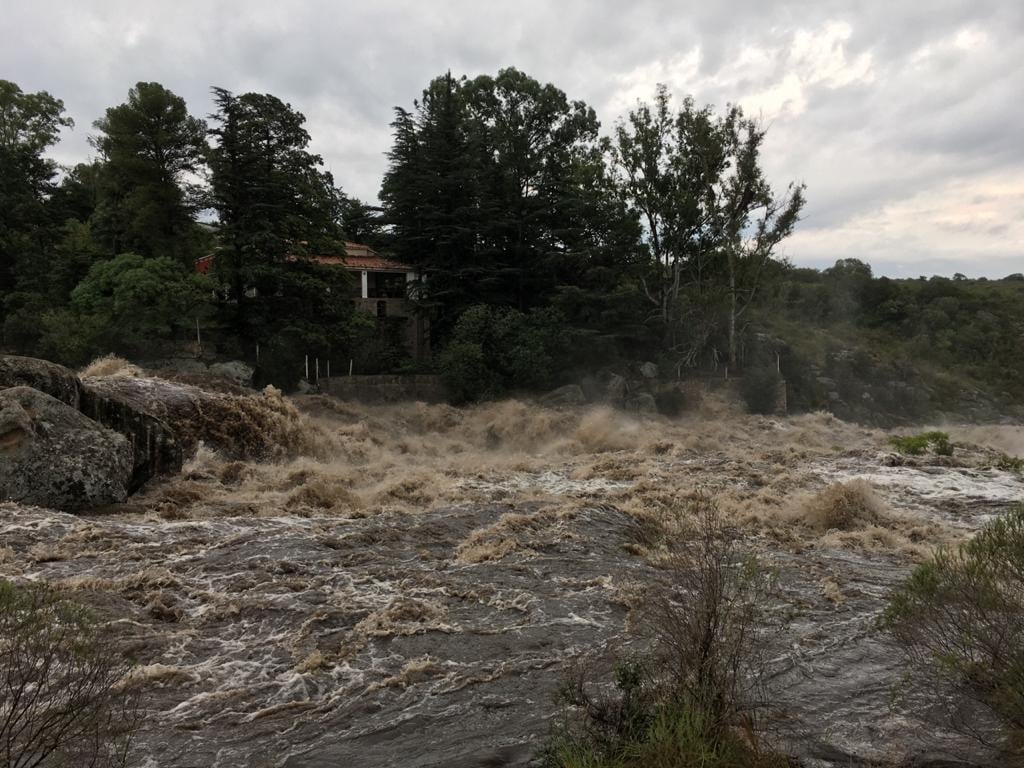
(155, 451)
(155, 448)
(54, 456)
(642, 402)
(55, 380)
(157, 422)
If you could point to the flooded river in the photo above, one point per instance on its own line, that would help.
(409, 590)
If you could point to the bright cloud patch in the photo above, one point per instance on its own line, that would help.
(977, 218)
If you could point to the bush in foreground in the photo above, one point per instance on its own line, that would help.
(63, 700)
(918, 445)
(960, 620)
(698, 697)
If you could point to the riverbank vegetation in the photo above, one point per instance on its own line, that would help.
(65, 697)
(654, 237)
(959, 618)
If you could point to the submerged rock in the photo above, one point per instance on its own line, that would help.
(570, 394)
(53, 456)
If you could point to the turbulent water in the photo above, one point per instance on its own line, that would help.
(408, 589)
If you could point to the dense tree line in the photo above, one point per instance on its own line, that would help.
(100, 257)
(549, 246)
(944, 333)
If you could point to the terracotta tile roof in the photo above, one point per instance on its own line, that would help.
(357, 256)
(375, 263)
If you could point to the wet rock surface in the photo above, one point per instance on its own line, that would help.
(325, 642)
(171, 419)
(51, 454)
(155, 449)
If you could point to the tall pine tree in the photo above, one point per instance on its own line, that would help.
(152, 150)
(276, 207)
(497, 188)
(29, 124)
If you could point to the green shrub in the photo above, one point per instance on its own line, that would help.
(960, 620)
(696, 697)
(1009, 463)
(123, 305)
(918, 445)
(63, 698)
(465, 372)
(494, 350)
(760, 389)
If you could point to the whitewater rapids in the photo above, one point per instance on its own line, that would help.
(406, 588)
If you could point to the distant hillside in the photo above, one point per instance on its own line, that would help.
(881, 350)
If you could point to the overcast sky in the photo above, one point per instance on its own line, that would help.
(903, 117)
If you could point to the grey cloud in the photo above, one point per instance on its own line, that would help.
(908, 131)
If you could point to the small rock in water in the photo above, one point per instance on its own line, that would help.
(570, 394)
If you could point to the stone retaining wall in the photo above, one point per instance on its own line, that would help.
(385, 388)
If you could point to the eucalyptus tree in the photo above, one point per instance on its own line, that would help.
(712, 221)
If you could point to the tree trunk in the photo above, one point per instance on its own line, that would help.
(732, 311)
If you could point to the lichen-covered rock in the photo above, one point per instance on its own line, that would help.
(53, 456)
(55, 380)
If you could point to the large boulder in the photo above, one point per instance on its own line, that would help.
(156, 449)
(51, 455)
(55, 380)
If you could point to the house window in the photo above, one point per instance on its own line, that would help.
(386, 285)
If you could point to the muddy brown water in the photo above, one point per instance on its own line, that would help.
(412, 595)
